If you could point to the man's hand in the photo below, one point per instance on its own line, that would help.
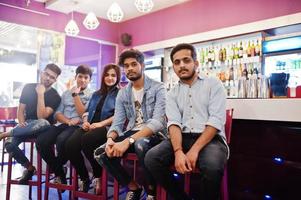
(86, 126)
(74, 122)
(120, 147)
(40, 89)
(96, 125)
(75, 90)
(192, 156)
(182, 163)
(109, 147)
(22, 124)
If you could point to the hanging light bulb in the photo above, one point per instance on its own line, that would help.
(71, 28)
(115, 13)
(91, 22)
(144, 5)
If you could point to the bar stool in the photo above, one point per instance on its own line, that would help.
(161, 193)
(104, 186)
(37, 183)
(73, 187)
(8, 116)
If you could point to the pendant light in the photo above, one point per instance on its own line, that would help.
(144, 5)
(91, 22)
(71, 28)
(115, 13)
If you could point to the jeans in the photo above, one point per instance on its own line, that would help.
(211, 161)
(55, 135)
(20, 134)
(86, 142)
(141, 146)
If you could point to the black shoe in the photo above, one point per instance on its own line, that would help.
(135, 194)
(85, 185)
(26, 176)
(100, 150)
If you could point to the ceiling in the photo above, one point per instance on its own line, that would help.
(100, 7)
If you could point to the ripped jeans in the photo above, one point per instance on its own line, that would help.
(140, 147)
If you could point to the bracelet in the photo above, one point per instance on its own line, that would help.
(177, 149)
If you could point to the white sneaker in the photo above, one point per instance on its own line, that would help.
(150, 197)
(135, 194)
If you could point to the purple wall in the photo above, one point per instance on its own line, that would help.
(81, 51)
(198, 16)
(55, 21)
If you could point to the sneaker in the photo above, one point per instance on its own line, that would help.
(150, 197)
(100, 150)
(59, 180)
(26, 176)
(84, 185)
(135, 194)
(97, 185)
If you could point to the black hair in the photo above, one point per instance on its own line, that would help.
(181, 47)
(83, 69)
(54, 68)
(131, 53)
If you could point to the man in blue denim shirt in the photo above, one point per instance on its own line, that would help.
(142, 105)
(68, 116)
(196, 114)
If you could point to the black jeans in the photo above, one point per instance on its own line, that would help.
(86, 142)
(55, 135)
(211, 161)
(140, 147)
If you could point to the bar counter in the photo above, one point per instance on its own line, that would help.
(265, 158)
(274, 109)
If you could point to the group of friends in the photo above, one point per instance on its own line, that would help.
(184, 127)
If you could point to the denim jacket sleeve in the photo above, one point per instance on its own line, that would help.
(158, 121)
(119, 115)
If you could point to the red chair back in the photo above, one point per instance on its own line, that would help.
(8, 113)
(228, 125)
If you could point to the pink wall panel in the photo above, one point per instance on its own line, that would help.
(198, 16)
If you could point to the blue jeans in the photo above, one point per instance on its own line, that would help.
(20, 134)
(211, 161)
(141, 146)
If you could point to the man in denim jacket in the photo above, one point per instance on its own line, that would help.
(141, 104)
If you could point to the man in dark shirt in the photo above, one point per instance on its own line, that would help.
(38, 101)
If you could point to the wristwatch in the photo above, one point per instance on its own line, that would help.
(131, 140)
(74, 94)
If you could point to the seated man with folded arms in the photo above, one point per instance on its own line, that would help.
(196, 114)
(68, 116)
(142, 104)
(38, 101)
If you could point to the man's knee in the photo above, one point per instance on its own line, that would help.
(151, 159)
(141, 146)
(9, 147)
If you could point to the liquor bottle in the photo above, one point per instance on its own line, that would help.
(240, 50)
(230, 52)
(224, 51)
(245, 71)
(202, 56)
(257, 48)
(220, 54)
(206, 54)
(252, 49)
(249, 50)
(236, 49)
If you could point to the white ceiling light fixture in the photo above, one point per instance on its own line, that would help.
(91, 22)
(71, 28)
(115, 13)
(144, 5)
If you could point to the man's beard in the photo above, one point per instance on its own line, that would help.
(189, 77)
(135, 78)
